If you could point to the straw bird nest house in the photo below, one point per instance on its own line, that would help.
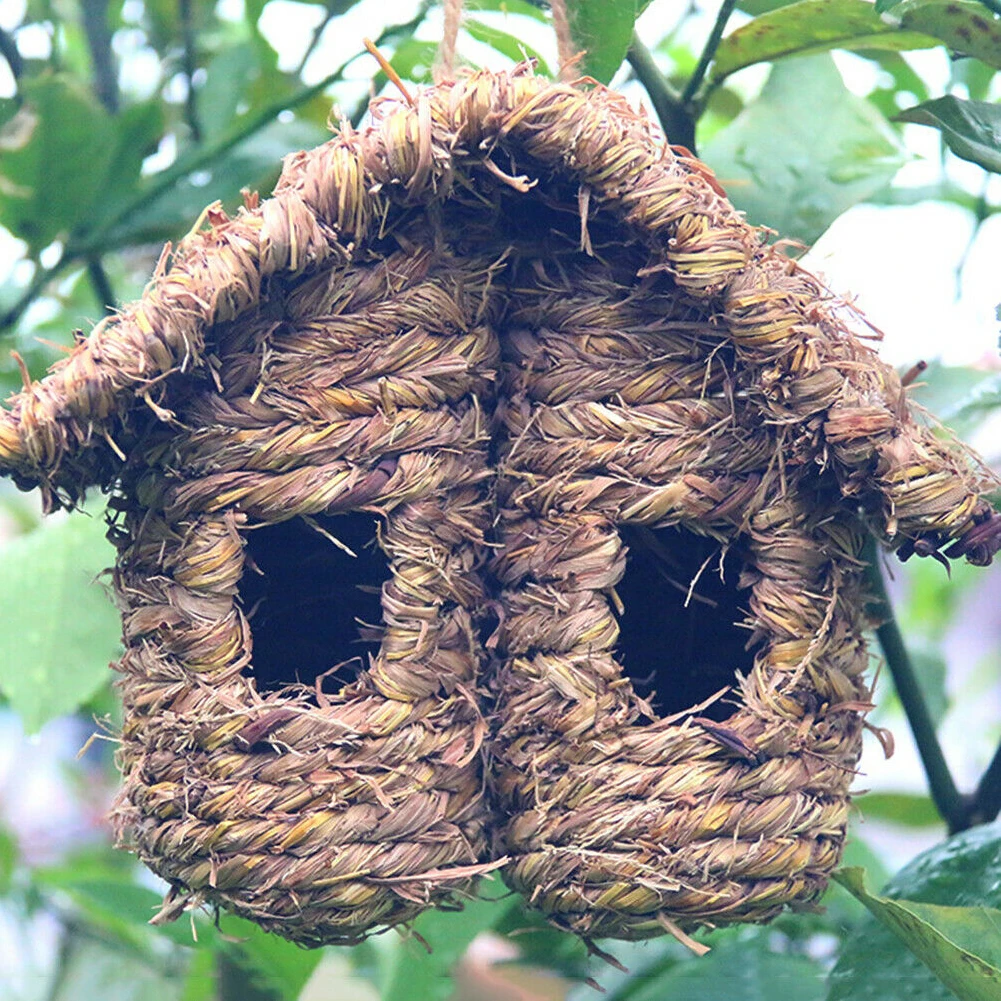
(491, 497)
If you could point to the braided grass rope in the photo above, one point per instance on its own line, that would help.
(519, 330)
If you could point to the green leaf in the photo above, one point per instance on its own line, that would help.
(104, 891)
(842, 913)
(411, 972)
(975, 75)
(413, 60)
(506, 44)
(641, 963)
(101, 889)
(983, 398)
(961, 945)
(137, 130)
(200, 980)
(930, 668)
(946, 390)
(603, 30)
(962, 25)
(903, 79)
(50, 180)
(811, 26)
(254, 163)
(971, 129)
(226, 80)
(91, 969)
(740, 967)
(906, 808)
(962, 872)
(8, 860)
(756, 7)
(540, 944)
(61, 629)
(275, 963)
(522, 7)
(784, 171)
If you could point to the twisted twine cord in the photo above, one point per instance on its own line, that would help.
(564, 41)
(446, 50)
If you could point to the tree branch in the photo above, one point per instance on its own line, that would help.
(987, 799)
(950, 804)
(9, 50)
(712, 44)
(100, 283)
(332, 12)
(676, 120)
(190, 65)
(95, 26)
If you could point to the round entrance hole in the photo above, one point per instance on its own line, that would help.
(681, 637)
(313, 603)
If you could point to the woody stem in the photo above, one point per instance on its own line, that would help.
(949, 802)
(987, 798)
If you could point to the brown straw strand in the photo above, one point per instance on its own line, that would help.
(445, 69)
(564, 39)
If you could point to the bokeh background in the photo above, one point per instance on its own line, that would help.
(121, 119)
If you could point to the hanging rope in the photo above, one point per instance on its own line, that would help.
(564, 41)
(445, 69)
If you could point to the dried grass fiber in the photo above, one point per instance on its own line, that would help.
(511, 323)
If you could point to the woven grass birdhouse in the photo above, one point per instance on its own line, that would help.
(601, 462)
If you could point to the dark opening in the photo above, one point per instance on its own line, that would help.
(676, 655)
(312, 607)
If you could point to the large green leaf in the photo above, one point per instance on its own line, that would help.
(930, 667)
(740, 967)
(981, 399)
(276, 964)
(408, 971)
(976, 76)
(8, 860)
(200, 979)
(841, 913)
(55, 157)
(226, 80)
(961, 25)
(67, 164)
(811, 26)
(136, 131)
(971, 129)
(523, 7)
(413, 60)
(757, 7)
(946, 390)
(961, 945)
(906, 808)
(540, 944)
(962, 872)
(92, 969)
(60, 628)
(111, 902)
(603, 30)
(254, 163)
(506, 43)
(805, 151)
(105, 892)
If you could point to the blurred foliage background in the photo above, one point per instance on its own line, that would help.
(120, 120)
